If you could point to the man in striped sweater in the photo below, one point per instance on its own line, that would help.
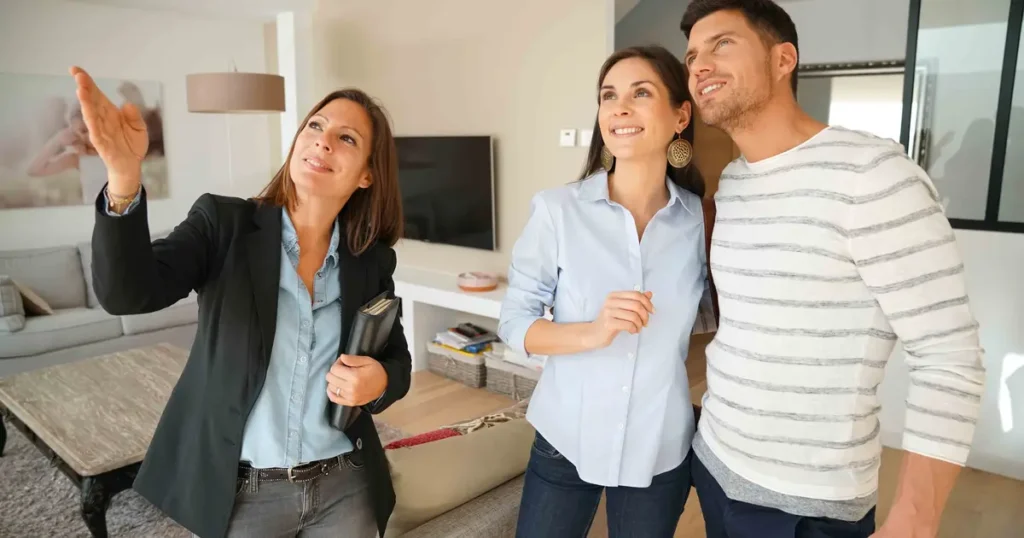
(830, 246)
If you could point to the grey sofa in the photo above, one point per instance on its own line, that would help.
(78, 327)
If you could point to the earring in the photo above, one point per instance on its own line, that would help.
(607, 159)
(679, 153)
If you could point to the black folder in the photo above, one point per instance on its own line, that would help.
(368, 337)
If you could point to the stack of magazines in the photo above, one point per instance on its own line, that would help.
(467, 338)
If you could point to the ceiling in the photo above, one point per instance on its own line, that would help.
(623, 7)
(238, 9)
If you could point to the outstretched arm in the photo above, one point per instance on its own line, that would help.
(132, 275)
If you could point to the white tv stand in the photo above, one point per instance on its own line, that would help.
(432, 302)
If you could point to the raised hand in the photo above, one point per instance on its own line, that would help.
(622, 311)
(118, 134)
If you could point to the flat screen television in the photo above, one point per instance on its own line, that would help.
(447, 185)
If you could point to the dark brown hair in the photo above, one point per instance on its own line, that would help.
(373, 214)
(675, 77)
(770, 21)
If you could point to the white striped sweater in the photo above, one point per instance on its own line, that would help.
(824, 257)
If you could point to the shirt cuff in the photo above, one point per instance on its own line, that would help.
(131, 206)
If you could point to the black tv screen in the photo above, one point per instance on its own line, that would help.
(447, 185)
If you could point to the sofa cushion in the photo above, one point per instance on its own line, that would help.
(33, 304)
(11, 303)
(54, 273)
(433, 478)
(64, 328)
(183, 312)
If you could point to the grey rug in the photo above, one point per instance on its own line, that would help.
(37, 500)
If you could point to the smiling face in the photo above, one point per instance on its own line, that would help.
(636, 116)
(330, 158)
(734, 74)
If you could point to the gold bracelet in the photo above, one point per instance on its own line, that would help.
(118, 204)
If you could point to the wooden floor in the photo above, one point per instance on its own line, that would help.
(983, 505)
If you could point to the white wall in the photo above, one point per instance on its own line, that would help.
(518, 71)
(113, 42)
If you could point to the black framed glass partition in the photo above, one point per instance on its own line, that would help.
(963, 113)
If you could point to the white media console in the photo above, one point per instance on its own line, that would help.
(432, 302)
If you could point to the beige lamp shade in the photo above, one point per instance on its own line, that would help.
(235, 92)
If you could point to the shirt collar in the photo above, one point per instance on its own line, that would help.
(290, 239)
(595, 187)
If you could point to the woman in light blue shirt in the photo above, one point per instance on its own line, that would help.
(619, 257)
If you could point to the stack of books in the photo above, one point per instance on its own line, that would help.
(466, 338)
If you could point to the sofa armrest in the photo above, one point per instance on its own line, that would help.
(491, 515)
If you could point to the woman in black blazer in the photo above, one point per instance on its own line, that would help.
(243, 447)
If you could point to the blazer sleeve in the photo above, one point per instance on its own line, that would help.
(132, 275)
(396, 359)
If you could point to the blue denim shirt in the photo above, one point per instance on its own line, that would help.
(620, 414)
(288, 425)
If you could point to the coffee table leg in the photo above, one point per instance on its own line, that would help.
(97, 491)
(95, 501)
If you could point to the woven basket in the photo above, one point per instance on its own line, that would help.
(510, 379)
(464, 368)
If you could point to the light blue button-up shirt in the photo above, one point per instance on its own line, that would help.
(288, 424)
(620, 414)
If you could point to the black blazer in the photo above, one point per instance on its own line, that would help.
(229, 251)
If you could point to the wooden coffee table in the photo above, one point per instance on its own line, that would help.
(94, 418)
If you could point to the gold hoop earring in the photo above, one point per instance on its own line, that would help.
(607, 159)
(680, 152)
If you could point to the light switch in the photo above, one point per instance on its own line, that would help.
(585, 136)
(567, 138)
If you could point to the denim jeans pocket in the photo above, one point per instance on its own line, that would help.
(354, 460)
(543, 448)
(240, 486)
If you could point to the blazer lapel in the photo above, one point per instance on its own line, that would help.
(353, 286)
(263, 246)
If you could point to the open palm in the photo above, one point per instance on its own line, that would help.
(118, 134)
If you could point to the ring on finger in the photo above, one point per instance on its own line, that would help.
(337, 391)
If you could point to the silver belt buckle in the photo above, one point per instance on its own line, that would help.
(291, 478)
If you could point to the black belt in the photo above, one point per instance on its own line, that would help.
(299, 473)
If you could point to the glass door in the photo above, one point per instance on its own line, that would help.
(959, 117)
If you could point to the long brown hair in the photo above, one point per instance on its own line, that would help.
(373, 214)
(675, 77)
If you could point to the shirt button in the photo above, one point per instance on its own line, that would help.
(305, 324)
(302, 359)
(625, 388)
(629, 355)
(637, 288)
(621, 425)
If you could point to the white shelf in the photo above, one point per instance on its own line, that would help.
(432, 302)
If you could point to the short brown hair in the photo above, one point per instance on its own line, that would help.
(771, 22)
(373, 214)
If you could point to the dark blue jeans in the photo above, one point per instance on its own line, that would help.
(556, 503)
(726, 518)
